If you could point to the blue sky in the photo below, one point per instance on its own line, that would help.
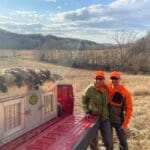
(95, 20)
(49, 5)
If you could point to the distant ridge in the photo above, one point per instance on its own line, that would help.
(10, 40)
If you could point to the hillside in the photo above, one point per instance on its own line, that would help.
(9, 40)
(142, 44)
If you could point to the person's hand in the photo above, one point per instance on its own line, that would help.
(125, 130)
(87, 116)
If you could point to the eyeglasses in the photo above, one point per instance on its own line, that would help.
(113, 78)
(99, 78)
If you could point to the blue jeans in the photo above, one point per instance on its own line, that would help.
(121, 136)
(105, 129)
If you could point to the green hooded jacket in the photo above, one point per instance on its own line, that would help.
(95, 102)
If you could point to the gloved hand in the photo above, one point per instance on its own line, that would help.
(125, 130)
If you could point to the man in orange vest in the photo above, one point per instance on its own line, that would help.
(120, 108)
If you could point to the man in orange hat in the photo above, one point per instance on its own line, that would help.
(120, 108)
(95, 102)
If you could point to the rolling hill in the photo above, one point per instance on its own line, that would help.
(9, 40)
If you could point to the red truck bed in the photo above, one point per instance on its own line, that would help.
(72, 132)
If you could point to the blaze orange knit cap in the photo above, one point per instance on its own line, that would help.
(115, 74)
(99, 74)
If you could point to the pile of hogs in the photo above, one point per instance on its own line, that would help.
(33, 78)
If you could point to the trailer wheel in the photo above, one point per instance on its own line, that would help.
(59, 109)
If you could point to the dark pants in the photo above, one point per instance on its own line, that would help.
(121, 136)
(106, 133)
(105, 129)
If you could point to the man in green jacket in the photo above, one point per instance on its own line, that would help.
(95, 102)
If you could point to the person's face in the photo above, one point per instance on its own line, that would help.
(115, 81)
(98, 82)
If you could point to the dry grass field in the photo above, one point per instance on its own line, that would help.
(139, 134)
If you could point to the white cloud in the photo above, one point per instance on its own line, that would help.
(103, 20)
(65, 30)
(27, 13)
(130, 4)
(23, 16)
(96, 22)
(119, 14)
(5, 19)
(85, 13)
(21, 27)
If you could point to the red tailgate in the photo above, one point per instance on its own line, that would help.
(62, 135)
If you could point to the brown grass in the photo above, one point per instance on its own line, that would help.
(139, 135)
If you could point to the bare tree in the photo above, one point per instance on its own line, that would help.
(124, 41)
(141, 53)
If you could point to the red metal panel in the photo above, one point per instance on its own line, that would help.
(62, 135)
(30, 135)
(66, 98)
